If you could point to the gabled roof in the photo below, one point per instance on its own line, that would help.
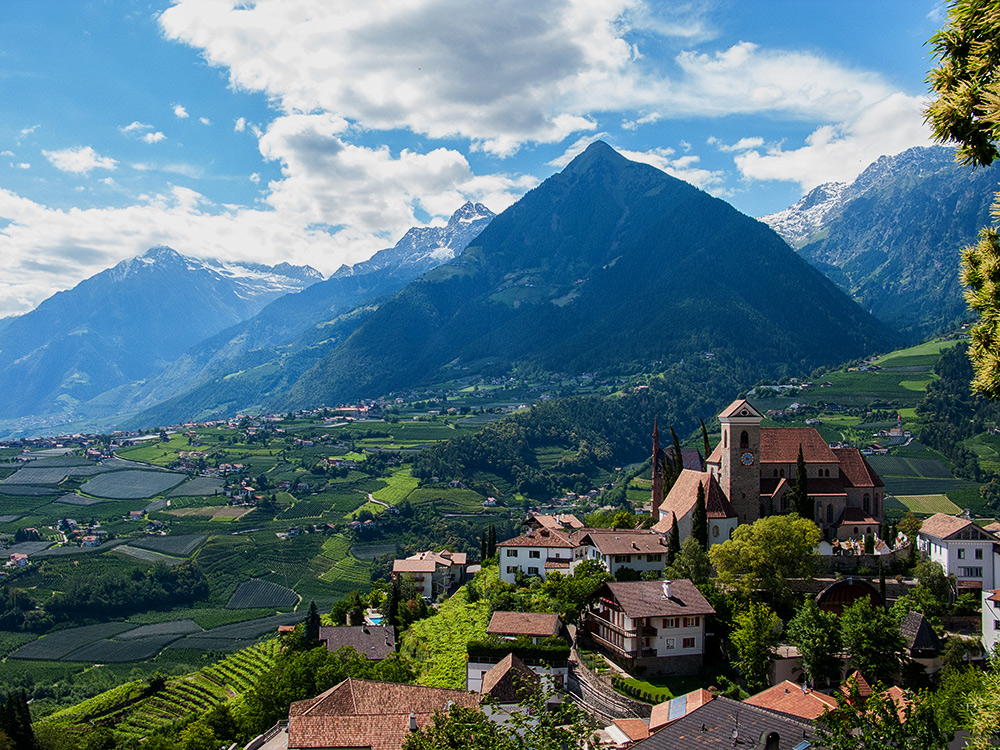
(943, 526)
(535, 624)
(993, 528)
(543, 538)
(918, 633)
(364, 713)
(373, 641)
(794, 699)
(781, 445)
(647, 598)
(855, 469)
(558, 521)
(712, 725)
(625, 542)
(737, 408)
(677, 708)
(684, 494)
(634, 729)
(510, 681)
(413, 566)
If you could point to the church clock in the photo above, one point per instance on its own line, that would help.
(746, 459)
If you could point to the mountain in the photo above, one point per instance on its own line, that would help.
(126, 323)
(247, 364)
(892, 237)
(607, 265)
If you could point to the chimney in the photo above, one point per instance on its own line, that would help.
(413, 722)
(666, 589)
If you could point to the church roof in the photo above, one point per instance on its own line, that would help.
(684, 494)
(855, 469)
(815, 486)
(736, 408)
(853, 515)
(781, 445)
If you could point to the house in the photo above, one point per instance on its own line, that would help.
(431, 573)
(640, 550)
(991, 619)
(794, 699)
(723, 722)
(658, 626)
(552, 667)
(962, 548)
(362, 714)
(624, 732)
(755, 468)
(509, 681)
(534, 625)
(375, 642)
(90, 541)
(559, 522)
(17, 560)
(538, 551)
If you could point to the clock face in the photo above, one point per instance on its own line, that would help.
(747, 459)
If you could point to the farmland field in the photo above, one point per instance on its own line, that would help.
(199, 487)
(233, 637)
(371, 551)
(928, 504)
(170, 627)
(71, 499)
(400, 484)
(58, 645)
(255, 594)
(179, 545)
(36, 476)
(444, 637)
(131, 485)
(148, 555)
(137, 649)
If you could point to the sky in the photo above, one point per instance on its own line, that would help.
(318, 131)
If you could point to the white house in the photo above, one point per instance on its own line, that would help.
(962, 548)
(625, 548)
(991, 619)
(538, 551)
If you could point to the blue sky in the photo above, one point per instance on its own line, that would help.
(316, 131)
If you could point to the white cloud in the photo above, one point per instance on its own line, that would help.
(79, 160)
(134, 126)
(204, 121)
(743, 144)
(240, 125)
(255, 178)
(180, 112)
(23, 165)
(29, 130)
(6, 152)
(840, 152)
(154, 137)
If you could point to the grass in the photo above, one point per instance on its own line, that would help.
(400, 484)
(928, 504)
(448, 500)
(666, 687)
(439, 642)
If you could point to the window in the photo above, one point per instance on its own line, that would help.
(775, 472)
(744, 440)
(653, 558)
(687, 643)
(961, 554)
(669, 643)
(511, 568)
(970, 572)
(782, 472)
(979, 554)
(532, 571)
(534, 554)
(996, 624)
(715, 531)
(623, 558)
(669, 622)
(692, 622)
(867, 503)
(512, 553)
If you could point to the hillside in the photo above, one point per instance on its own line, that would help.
(125, 323)
(892, 237)
(608, 264)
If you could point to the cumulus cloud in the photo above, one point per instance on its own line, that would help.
(135, 126)
(840, 152)
(79, 160)
(743, 144)
(180, 112)
(204, 121)
(154, 137)
(23, 165)
(240, 124)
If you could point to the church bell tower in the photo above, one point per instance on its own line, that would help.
(739, 471)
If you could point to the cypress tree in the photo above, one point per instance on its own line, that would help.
(310, 632)
(678, 457)
(673, 540)
(392, 596)
(482, 547)
(799, 495)
(704, 437)
(492, 545)
(699, 519)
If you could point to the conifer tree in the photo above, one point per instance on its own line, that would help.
(492, 545)
(704, 437)
(798, 497)
(310, 632)
(678, 457)
(673, 540)
(482, 546)
(699, 518)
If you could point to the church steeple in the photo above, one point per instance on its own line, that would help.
(656, 495)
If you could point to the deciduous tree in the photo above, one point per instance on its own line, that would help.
(754, 637)
(873, 641)
(816, 634)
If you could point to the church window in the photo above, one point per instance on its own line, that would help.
(725, 439)
(829, 513)
(826, 472)
(744, 440)
(867, 503)
(775, 472)
(782, 472)
(715, 531)
(875, 506)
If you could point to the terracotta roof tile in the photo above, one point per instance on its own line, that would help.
(510, 681)
(856, 469)
(781, 445)
(684, 494)
(856, 516)
(790, 698)
(943, 526)
(413, 566)
(538, 624)
(676, 708)
(543, 538)
(634, 729)
(625, 542)
(646, 598)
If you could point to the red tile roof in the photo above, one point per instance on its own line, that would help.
(781, 445)
(363, 713)
(684, 494)
(413, 566)
(625, 542)
(676, 708)
(855, 516)
(790, 698)
(855, 470)
(943, 526)
(634, 729)
(537, 624)
(510, 681)
(542, 538)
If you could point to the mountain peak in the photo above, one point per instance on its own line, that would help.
(597, 152)
(162, 252)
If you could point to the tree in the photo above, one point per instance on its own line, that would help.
(765, 554)
(816, 634)
(872, 639)
(798, 496)
(692, 563)
(982, 710)
(754, 637)
(491, 544)
(704, 437)
(198, 736)
(310, 630)
(699, 518)
(878, 723)
(673, 540)
(966, 111)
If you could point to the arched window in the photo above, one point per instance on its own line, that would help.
(827, 472)
(775, 472)
(867, 503)
(744, 440)
(782, 472)
(829, 513)
(875, 505)
(715, 531)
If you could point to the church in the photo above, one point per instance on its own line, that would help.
(752, 470)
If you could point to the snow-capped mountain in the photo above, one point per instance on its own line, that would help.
(424, 248)
(801, 221)
(124, 324)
